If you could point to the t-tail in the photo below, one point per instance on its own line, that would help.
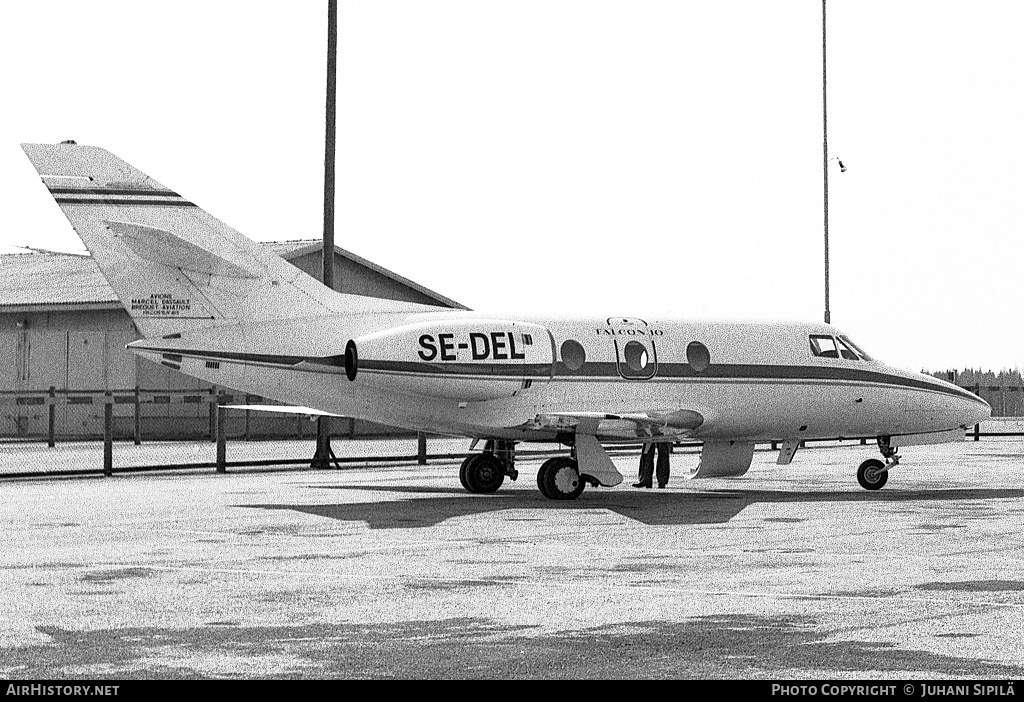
(174, 266)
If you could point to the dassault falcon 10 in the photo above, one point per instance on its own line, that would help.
(214, 305)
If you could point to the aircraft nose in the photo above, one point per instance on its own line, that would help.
(977, 411)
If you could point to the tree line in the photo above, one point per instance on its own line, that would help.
(1003, 390)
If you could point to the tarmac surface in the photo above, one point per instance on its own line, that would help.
(396, 572)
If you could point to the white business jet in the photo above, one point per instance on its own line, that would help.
(214, 305)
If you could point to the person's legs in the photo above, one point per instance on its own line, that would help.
(663, 464)
(646, 466)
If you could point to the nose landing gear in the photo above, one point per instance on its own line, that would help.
(873, 474)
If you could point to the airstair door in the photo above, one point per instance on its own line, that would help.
(636, 353)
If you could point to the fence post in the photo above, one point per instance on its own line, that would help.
(108, 434)
(421, 448)
(213, 413)
(52, 430)
(138, 416)
(323, 453)
(221, 437)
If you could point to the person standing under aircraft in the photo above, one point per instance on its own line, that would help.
(647, 464)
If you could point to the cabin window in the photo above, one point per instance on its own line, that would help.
(573, 354)
(698, 356)
(635, 355)
(824, 346)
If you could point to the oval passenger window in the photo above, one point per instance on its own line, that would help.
(573, 355)
(635, 354)
(698, 356)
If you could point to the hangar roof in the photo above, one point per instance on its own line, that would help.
(46, 279)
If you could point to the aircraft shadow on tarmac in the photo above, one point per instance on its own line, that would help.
(433, 505)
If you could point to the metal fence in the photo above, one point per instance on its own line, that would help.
(219, 418)
(138, 413)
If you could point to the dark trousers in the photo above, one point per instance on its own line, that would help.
(647, 463)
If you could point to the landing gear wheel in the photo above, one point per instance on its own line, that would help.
(870, 474)
(482, 473)
(462, 470)
(559, 479)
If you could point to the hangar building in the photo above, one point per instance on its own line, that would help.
(61, 326)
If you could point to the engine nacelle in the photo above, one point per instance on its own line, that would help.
(462, 359)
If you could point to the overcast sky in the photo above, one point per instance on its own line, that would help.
(652, 159)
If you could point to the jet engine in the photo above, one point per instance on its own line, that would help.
(464, 360)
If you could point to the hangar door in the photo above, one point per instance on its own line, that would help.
(67, 360)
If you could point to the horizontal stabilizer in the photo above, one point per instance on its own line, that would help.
(165, 248)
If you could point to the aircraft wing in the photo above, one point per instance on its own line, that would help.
(648, 425)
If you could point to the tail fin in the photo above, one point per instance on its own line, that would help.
(173, 266)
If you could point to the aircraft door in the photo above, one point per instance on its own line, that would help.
(636, 354)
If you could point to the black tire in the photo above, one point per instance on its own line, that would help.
(541, 480)
(462, 470)
(560, 479)
(482, 473)
(870, 474)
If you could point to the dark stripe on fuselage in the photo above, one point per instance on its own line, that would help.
(771, 372)
(109, 201)
(735, 372)
(599, 371)
(148, 192)
(517, 370)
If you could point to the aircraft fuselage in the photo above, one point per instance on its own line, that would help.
(487, 376)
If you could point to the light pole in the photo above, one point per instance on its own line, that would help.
(824, 123)
(825, 158)
(322, 456)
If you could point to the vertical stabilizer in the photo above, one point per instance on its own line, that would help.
(173, 266)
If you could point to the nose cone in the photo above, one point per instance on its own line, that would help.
(977, 411)
(964, 408)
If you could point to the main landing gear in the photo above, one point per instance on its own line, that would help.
(559, 478)
(872, 473)
(485, 472)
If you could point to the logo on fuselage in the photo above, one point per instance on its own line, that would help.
(476, 346)
(628, 326)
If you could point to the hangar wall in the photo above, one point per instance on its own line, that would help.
(62, 327)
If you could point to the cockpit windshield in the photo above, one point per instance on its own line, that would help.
(827, 346)
(824, 346)
(858, 349)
